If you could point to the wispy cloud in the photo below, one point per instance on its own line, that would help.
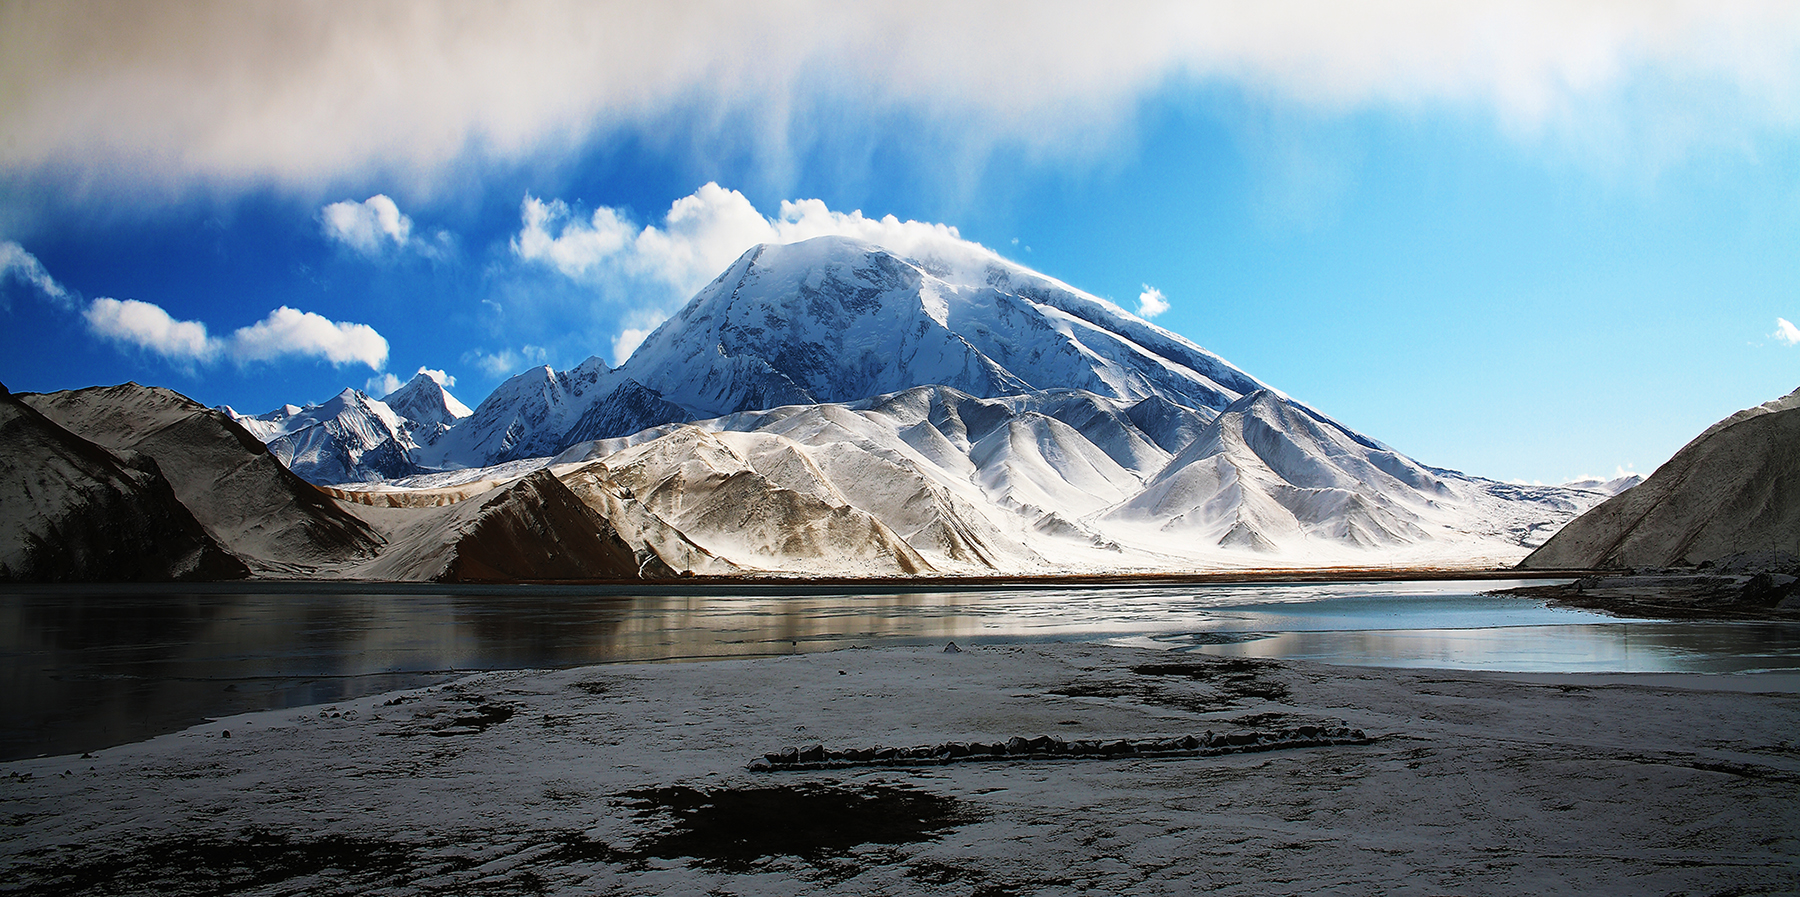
(443, 379)
(283, 333)
(1786, 332)
(301, 93)
(382, 385)
(506, 362)
(385, 384)
(627, 342)
(1151, 303)
(19, 266)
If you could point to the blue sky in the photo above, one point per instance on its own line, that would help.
(1526, 241)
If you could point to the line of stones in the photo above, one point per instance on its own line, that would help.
(1047, 747)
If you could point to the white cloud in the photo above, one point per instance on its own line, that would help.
(369, 227)
(382, 384)
(301, 93)
(147, 326)
(289, 331)
(1151, 303)
(1786, 332)
(285, 332)
(443, 379)
(376, 227)
(626, 343)
(18, 265)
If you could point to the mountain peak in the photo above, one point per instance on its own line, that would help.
(836, 319)
(424, 399)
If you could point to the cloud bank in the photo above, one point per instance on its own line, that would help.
(302, 93)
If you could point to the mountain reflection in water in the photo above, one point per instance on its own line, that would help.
(87, 667)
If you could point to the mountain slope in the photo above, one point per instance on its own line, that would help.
(75, 511)
(255, 507)
(542, 411)
(716, 497)
(1735, 488)
(534, 529)
(351, 438)
(1267, 471)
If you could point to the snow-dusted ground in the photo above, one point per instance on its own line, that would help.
(630, 779)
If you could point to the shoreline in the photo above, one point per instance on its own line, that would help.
(802, 585)
(627, 779)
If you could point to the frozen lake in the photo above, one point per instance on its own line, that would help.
(86, 667)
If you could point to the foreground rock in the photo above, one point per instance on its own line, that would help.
(629, 779)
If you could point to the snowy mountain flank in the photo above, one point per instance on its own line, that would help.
(830, 407)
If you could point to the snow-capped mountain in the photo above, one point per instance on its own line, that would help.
(834, 319)
(542, 411)
(951, 412)
(426, 405)
(351, 438)
(1006, 484)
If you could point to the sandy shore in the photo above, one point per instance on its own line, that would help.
(631, 779)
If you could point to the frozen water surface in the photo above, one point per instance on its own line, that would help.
(90, 667)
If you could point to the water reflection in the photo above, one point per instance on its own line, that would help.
(1641, 647)
(86, 667)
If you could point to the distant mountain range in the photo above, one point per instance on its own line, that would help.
(833, 407)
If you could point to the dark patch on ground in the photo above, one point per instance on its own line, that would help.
(1238, 677)
(475, 716)
(594, 688)
(733, 829)
(479, 720)
(1226, 681)
(1049, 747)
(937, 873)
(196, 865)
